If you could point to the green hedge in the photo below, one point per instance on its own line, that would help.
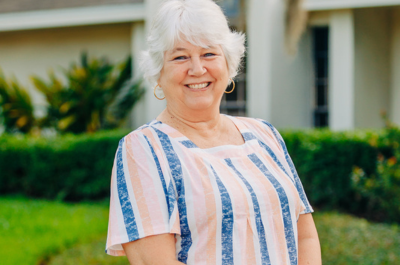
(65, 168)
(325, 162)
(339, 170)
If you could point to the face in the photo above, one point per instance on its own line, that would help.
(194, 78)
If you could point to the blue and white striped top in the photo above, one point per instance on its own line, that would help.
(226, 205)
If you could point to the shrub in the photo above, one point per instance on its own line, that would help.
(325, 160)
(78, 167)
(16, 109)
(65, 167)
(379, 192)
(97, 95)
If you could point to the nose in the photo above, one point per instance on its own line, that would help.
(197, 67)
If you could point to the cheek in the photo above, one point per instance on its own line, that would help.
(221, 72)
(171, 77)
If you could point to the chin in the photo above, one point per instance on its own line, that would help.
(201, 104)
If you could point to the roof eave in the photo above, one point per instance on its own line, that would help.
(72, 17)
(317, 5)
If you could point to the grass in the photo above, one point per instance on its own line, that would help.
(34, 230)
(88, 254)
(349, 240)
(345, 240)
(41, 232)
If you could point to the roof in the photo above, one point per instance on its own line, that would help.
(13, 6)
(342, 4)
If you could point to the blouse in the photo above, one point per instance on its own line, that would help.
(230, 204)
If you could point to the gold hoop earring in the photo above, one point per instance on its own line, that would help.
(155, 93)
(233, 82)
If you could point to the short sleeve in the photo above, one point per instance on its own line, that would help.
(143, 198)
(305, 205)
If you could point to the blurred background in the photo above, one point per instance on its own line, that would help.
(325, 72)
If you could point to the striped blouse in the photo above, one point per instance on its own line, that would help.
(230, 204)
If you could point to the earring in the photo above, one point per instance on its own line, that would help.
(233, 82)
(155, 93)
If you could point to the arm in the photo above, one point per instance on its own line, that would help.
(309, 247)
(158, 249)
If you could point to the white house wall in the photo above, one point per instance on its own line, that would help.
(35, 52)
(341, 70)
(259, 62)
(395, 89)
(279, 86)
(292, 82)
(150, 107)
(372, 66)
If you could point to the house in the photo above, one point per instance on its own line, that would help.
(39, 35)
(345, 71)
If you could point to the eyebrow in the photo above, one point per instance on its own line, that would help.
(178, 49)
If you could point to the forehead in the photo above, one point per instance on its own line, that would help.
(188, 46)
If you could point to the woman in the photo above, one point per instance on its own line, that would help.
(195, 186)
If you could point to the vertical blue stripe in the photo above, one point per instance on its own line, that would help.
(227, 223)
(273, 156)
(247, 136)
(188, 144)
(126, 206)
(287, 220)
(299, 186)
(260, 226)
(170, 193)
(176, 171)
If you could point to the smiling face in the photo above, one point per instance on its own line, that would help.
(194, 78)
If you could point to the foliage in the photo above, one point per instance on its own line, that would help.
(98, 95)
(33, 230)
(16, 109)
(67, 167)
(324, 162)
(72, 168)
(380, 192)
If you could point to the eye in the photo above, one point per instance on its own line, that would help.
(209, 54)
(180, 58)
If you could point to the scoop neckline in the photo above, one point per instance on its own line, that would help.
(215, 148)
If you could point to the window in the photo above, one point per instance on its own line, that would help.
(235, 102)
(321, 70)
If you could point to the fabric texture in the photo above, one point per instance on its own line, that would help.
(226, 205)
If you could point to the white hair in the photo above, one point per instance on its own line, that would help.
(200, 22)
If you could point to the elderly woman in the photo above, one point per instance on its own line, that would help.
(194, 186)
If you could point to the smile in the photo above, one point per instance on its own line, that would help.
(199, 86)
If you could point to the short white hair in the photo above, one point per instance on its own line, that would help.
(200, 22)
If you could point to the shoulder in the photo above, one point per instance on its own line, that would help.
(260, 125)
(263, 130)
(141, 135)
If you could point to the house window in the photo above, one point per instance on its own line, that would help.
(321, 73)
(235, 102)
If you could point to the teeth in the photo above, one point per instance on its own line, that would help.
(198, 86)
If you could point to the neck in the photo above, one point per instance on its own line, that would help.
(200, 122)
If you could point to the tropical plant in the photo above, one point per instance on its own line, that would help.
(16, 109)
(97, 95)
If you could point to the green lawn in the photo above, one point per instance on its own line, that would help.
(349, 240)
(33, 230)
(41, 232)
